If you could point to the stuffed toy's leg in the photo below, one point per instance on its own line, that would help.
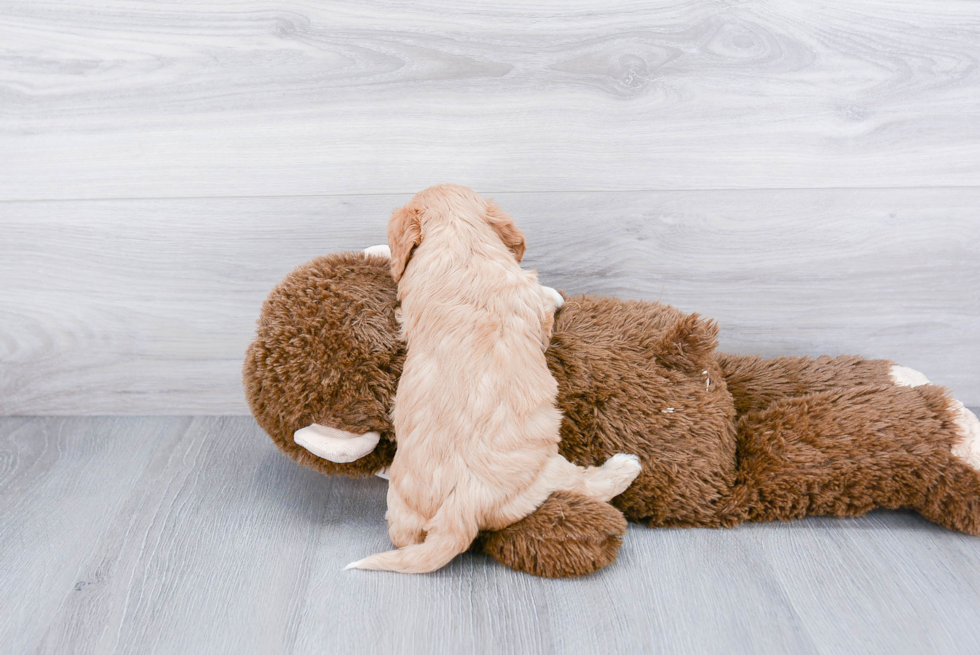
(569, 535)
(841, 436)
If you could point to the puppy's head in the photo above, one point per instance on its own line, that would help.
(444, 203)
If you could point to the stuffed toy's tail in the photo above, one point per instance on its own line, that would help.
(441, 545)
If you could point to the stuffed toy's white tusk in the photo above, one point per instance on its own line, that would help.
(335, 445)
(382, 249)
(559, 301)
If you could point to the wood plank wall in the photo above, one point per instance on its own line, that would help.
(807, 173)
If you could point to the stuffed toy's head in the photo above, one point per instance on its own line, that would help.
(327, 353)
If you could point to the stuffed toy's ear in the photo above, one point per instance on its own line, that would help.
(404, 234)
(512, 237)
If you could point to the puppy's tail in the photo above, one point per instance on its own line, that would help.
(448, 535)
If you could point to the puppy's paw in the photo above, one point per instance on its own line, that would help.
(615, 476)
(403, 536)
(559, 300)
(627, 463)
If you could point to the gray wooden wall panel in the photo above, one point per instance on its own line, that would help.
(134, 99)
(807, 174)
(146, 306)
(169, 535)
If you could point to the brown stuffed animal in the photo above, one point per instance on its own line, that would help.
(722, 438)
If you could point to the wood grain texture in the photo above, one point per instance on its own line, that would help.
(134, 99)
(146, 307)
(181, 535)
(62, 484)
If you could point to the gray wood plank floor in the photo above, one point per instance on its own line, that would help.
(193, 535)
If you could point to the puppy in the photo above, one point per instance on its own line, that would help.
(474, 412)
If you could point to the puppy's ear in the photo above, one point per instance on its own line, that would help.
(404, 234)
(512, 237)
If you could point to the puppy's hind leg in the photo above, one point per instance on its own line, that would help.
(405, 525)
(612, 478)
(600, 482)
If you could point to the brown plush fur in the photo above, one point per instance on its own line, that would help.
(641, 378)
(837, 437)
(327, 351)
(569, 532)
(748, 439)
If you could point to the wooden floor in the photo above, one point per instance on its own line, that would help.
(194, 535)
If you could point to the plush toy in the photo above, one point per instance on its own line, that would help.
(722, 438)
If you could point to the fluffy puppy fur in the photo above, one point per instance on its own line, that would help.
(474, 414)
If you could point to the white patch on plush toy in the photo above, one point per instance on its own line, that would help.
(335, 445)
(559, 301)
(382, 250)
(904, 376)
(968, 427)
(383, 473)
(967, 424)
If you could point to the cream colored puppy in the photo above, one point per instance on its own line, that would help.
(474, 413)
